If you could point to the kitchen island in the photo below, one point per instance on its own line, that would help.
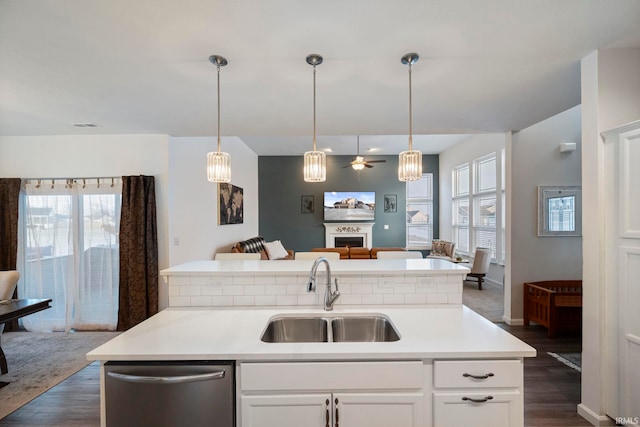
(450, 366)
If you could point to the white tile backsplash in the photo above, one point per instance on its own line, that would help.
(279, 290)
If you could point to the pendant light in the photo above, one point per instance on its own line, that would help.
(315, 162)
(218, 163)
(410, 161)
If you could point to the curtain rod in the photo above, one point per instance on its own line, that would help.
(67, 178)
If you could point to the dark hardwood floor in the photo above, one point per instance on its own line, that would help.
(552, 390)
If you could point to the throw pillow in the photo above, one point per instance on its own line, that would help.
(275, 250)
(253, 245)
(439, 248)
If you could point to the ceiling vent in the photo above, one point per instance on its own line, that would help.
(85, 125)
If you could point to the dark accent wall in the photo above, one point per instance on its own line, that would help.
(281, 185)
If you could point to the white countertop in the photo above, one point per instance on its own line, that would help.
(343, 266)
(221, 334)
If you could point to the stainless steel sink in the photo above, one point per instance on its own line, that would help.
(348, 328)
(363, 329)
(296, 329)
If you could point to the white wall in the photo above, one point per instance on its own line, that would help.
(610, 98)
(473, 147)
(536, 160)
(71, 156)
(193, 201)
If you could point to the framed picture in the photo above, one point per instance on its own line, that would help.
(390, 203)
(559, 212)
(230, 204)
(307, 204)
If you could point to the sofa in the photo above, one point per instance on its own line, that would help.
(357, 252)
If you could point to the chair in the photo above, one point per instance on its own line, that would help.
(8, 283)
(442, 249)
(399, 255)
(238, 256)
(480, 267)
(331, 256)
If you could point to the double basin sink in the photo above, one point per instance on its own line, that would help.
(328, 328)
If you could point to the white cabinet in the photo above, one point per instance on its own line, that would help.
(286, 410)
(482, 393)
(332, 394)
(333, 410)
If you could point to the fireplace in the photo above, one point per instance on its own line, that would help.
(353, 234)
(350, 242)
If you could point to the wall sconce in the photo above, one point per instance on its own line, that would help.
(567, 147)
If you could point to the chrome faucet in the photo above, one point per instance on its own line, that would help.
(329, 296)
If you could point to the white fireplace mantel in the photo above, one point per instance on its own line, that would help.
(348, 229)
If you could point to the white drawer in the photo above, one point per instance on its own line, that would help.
(332, 376)
(477, 373)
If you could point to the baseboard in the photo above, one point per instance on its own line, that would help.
(512, 322)
(593, 418)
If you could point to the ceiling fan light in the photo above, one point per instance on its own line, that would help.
(218, 167)
(410, 165)
(315, 166)
(358, 166)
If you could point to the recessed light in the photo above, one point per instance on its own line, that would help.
(372, 149)
(328, 150)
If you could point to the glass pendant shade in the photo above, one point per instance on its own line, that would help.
(410, 165)
(315, 166)
(218, 167)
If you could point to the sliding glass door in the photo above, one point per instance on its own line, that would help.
(69, 252)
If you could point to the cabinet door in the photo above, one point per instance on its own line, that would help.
(286, 410)
(378, 409)
(501, 409)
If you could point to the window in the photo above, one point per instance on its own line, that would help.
(460, 208)
(420, 212)
(478, 207)
(69, 252)
(484, 203)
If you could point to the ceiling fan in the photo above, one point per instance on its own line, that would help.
(359, 162)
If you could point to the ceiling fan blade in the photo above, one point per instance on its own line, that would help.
(367, 165)
(376, 161)
(348, 166)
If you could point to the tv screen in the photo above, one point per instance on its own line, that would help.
(349, 205)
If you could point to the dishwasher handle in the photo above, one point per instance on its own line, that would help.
(178, 379)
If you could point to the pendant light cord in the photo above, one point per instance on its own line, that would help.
(219, 144)
(410, 113)
(314, 108)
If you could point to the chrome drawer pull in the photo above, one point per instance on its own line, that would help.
(478, 377)
(181, 379)
(484, 399)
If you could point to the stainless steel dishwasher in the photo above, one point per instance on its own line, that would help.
(194, 393)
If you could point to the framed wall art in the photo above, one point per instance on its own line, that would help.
(559, 211)
(307, 204)
(230, 204)
(390, 203)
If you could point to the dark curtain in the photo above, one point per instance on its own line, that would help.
(138, 252)
(9, 199)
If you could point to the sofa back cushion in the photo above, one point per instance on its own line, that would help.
(344, 252)
(359, 253)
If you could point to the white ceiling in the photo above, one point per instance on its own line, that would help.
(142, 67)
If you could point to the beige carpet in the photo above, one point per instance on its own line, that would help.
(489, 302)
(38, 361)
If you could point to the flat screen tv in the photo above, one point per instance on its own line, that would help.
(349, 205)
